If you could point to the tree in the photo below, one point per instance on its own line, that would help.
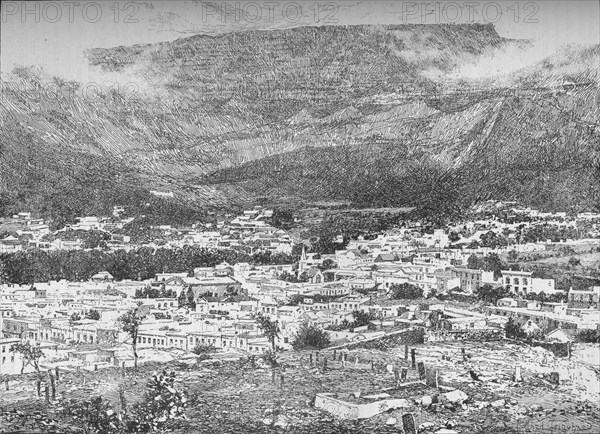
(182, 299)
(191, 299)
(310, 337)
(491, 294)
(282, 218)
(573, 261)
(295, 300)
(93, 314)
(475, 262)
(130, 324)
(30, 355)
(453, 237)
(327, 264)
(362, 318)
(75, 317)
(513, 329)
(588, 336)
(405, 291)
(269, 327)
(435, 319)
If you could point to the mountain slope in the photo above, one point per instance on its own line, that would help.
(310, 113)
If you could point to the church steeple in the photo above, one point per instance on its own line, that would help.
(302, 261)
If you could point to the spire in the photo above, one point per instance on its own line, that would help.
(303, 256)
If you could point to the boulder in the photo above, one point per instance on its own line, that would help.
(426, 425)
(282, 422)
(498, 403)
(456, 396)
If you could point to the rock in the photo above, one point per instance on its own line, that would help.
(536, 407)
(456, 396)
(498, 403)
(446, 431)
(392, 421)
(282, 422)
(426, 425)
(522, 410)
(356, 394)
(267, 421)
(426, 400)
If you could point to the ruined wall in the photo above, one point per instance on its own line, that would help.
(406, 337)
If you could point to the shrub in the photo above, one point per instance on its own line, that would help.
(588, 336)
(162, 404)
(95, 415)
(204, 350)
(513, 329)
(405, 291)
(310, 337)
(270, 358)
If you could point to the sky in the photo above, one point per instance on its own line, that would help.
(55, 35)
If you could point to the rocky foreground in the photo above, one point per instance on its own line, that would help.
(477, 392)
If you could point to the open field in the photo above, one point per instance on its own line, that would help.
(234, 396)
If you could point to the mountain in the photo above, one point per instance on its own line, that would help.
(360, 113)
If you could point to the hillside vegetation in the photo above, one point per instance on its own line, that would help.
(311, 113)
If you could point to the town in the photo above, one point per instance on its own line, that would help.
(509, 273)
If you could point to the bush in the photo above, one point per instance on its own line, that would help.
(405, 291)
(95, 415)
(588, 336)
(204, 350)
(310, 337)
(270, 358)
(162, 403)
(513, 329)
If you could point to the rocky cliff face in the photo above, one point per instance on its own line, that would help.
(360, 113)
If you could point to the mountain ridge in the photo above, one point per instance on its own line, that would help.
(214, 109)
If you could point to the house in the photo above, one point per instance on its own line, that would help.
(471, 280)
(518, 282)
(362, 283)
(507, 302)
(561, 335)
(588, 298)
(314, 275)
(102, 276)
(10, 244)
(10, 363)
(386, 257)
(216, 286)
(530, 327)
(522, 283)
